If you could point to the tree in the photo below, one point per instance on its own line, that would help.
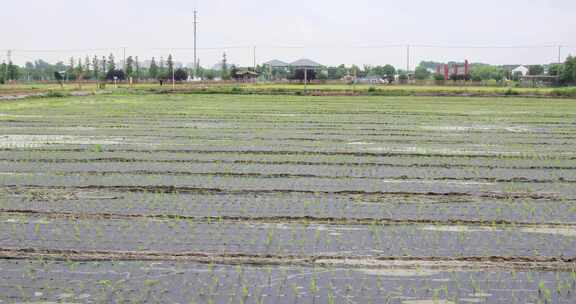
(487, 72)
(422, 73)
(180, 75)
(87, 66)
(323, 75)
(104, 67)
(79, 70)
(58, 78)
(388, 72)
(3, 74)
(224, 72)
(234, 73)
(129, 66)
(516, 76)
(403, 77)
(118, 74)
(137, 67)
(439, 77)
(153, 71)
(209, 74)
(111, 64)
(568, 75)
(13, 71)
(170, 63)
(161, 68)
(300, 75)
(95, 67)
(70, 75)
(337, 72)
(535, 70)
(355, 70)
(555, 70)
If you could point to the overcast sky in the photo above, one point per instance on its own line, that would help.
(327, 31)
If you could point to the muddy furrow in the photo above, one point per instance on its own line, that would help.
(175, 189)
(312, 220)
(315, 153)
(289, 175)
(415, 140)
(287, 162)
(493, 262)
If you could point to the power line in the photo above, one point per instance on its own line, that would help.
(377, 46)
(484, 46)
(66, 50)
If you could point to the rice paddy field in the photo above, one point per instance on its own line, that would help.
(176, 198)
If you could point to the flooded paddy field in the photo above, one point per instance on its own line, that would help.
(285, 199)
(179, 282)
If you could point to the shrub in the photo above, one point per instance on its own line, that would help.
(511, 92)
(180, 75)
(54, 94)
(439, 77)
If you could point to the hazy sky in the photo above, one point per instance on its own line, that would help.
(328, 31)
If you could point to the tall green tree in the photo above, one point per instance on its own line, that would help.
(422, 73)
(3, 72)
(224, 73)
(104, 69)
(87, 66)
(334, 72)
(568, 74)
(95, 67)
(535, 70)
(154, 69)
(111, 63)
(487, 72)
(129, 66)
(161, 68)
(137, 67)
(79, 71)
(13, 71)
(389, 72)
(170, 63)
(70, 70)
(555, 69)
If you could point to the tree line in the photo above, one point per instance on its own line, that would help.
(93, 68)
(107, 68)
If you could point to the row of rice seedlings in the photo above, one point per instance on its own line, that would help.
(247, 282)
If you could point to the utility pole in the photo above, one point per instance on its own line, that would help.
(9, 58)
(559, 70)
(305, 80)
(254, 53)
(124, 59)
(195, 39)
(407, 59)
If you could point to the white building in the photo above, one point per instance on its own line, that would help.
(521, 69)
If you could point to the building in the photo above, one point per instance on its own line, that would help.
(278, 69)
(276, 64)
(298, 64)
(305, 63)
(372, 80)
(454, 71)
(244, 74)
(520, 70)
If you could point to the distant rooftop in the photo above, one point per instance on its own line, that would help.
(305, 63)
(276, 63)
(302, 63)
